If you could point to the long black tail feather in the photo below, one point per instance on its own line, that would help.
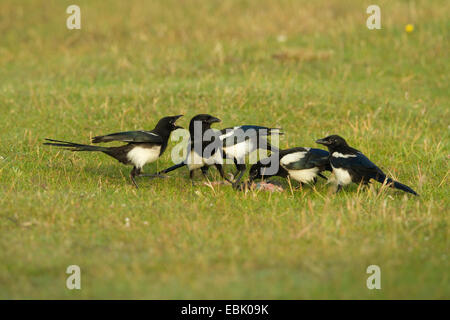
(403, 187)
(99, 139)
(396, 185)
(73, 146)
(172, 168)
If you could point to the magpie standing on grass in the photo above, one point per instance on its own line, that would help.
(209, 147)
(301, 164)
(142, 146)
(203, 149)
(238, 142)
(350, 165)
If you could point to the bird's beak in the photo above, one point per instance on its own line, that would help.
(175, 119)
(322, 141)
(214, 119)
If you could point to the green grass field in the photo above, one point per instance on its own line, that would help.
(310, 67)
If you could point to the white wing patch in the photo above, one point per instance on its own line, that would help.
(292, 157)
(229, 133)
(139, 156)
(340, 155)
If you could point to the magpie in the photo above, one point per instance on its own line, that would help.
(142, 146)
(239, 141)
(203, 149)
(301, 164)
(213, 146)
(350, 165)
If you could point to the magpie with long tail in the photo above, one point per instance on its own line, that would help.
(351, 165)
(240, 141)
(141, 147)
(301, 164)
(204, 147)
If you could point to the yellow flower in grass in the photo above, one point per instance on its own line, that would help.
(409, 28)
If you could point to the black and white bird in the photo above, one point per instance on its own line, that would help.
(204, 147)
(301, 164)
(240, 141)
(142, 146)
(350, 165)
(209, 147)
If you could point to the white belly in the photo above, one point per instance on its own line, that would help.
(342, 176)
(195, 161)
(139, 156)
(305, 176)
(215, 158)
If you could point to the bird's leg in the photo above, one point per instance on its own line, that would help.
(322, 176)
(222, 174)
(205, 171)
(237, 167)
(135, 171)
(191, 176)
(339, 188)
(300, 186)
(241, 168)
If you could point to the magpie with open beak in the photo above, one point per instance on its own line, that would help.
(141, 147)
(350, 165)
(204, 149)
(238, 142)
(301, 164)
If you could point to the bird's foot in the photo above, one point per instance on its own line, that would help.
(237, 185)
(134, 182)
(242, 186)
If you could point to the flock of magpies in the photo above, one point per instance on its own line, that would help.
(210, 147)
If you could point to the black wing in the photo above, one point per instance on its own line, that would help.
(359, 166)
(320, 158)
(130, 136)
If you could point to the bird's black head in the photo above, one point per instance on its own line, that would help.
(333, 142)
(266, 168)
(255, 172)
(204, 120)
(167, 124)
